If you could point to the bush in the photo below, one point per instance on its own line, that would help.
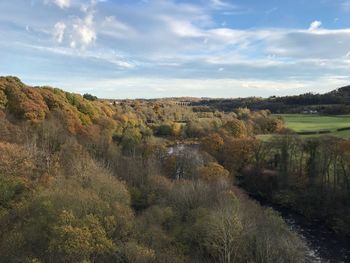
(89, 97)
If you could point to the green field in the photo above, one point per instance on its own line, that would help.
(317, 123)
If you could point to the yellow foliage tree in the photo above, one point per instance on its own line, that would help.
(236, 128)
(213, 172)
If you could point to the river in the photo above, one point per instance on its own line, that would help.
(323, 245)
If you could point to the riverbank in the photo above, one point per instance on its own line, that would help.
(323, 244)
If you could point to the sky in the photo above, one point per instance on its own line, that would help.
(173, 48)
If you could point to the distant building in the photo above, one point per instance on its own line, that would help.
(115, 102)
(182, 103)
(310, 112)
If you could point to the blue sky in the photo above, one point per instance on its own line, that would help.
(163, 48)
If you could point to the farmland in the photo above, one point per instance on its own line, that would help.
(304, 123)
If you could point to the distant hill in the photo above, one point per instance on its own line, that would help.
(342, 92)
(334, 102)
(34, 103)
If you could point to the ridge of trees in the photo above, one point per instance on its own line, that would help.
(334, 102)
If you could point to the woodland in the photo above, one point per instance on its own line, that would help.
(87, 180)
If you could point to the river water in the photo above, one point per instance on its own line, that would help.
(323, 245)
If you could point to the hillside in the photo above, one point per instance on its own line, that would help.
(341, 92)
(335, 102)
(35, 104)
(90, 181)
(141, 181)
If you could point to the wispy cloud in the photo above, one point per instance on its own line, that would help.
(106, 56)
(60, 3)
(221, 4)
(58, 32)
(112, 27)
(182, 28)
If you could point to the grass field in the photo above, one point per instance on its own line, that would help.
(317, 123)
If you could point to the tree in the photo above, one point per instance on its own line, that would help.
(76, 240)
(223, 239)
(164, 130)
(311, 147)
(3, 100)
(16, 161)
(243, 113)
(237, 153)
(236, 128)
(131, 140)
(139, 254)
(88, 96)
(212, 172)
(213, 144)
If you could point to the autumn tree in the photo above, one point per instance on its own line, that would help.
(237, 153)
(75, 240)
(213, 144)
(236, 128)
(88, 96)
(213, 172)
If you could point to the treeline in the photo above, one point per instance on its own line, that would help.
(85, 181)
(310, 176)
(335, 102)
(313, 177)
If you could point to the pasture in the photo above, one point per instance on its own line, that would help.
(328, 125)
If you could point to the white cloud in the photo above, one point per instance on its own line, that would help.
(62, 3)
(301, 44)
(220, 4)
(227, 36)
(117, 29)
(84, 32)
(315, 25)
(59, 30)
(109, 56)
(182, 28)
(176, 30)
(79, 32)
